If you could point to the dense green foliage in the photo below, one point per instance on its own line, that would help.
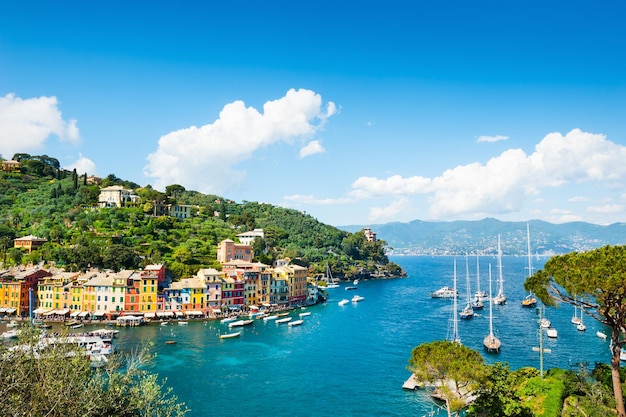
(496, 391)
(594, 281)
(61, 207)
(60, 381)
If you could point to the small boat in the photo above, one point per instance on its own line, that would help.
(283, 320)
(580, 326)
(500, 298)
(357, 298)
(230, 335)
(355, 282)
(170, 342)
(272, 317)
(444, 292)
(308, 313)
(350, 288)
(236, 323)
(552, 333)
(164, 323)
(183, 323)
(76, 326)
(601, 335)
(477, 304)
(468, 311)
(282, 314)
(10, 334)
(544, 323)
(491, 342)
(295, 323)
(228, 319)
(343, 302)
(330, 282)
(529, 301)
(247, 322)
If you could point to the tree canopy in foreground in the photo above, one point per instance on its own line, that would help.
(59, 381)
(594, 281)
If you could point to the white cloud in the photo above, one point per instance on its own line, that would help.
(390, 212)
(82, 165)
(26, 124)
(606, 209)
(204, 158)
(311, 148)
(496, 138)
(578, 199)
(506, 182)
(297, 200)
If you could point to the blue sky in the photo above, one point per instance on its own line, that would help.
(357, 113)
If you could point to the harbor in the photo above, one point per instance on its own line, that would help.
(351, 359)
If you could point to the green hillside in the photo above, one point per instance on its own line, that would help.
(46, 201)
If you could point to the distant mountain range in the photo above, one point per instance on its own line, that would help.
(460, 237)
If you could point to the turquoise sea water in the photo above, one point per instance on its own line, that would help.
(351, 360)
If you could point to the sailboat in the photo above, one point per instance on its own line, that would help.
(468, 311)
(575, 319)
(479, 294)
(478, 304)
(330, 282)
(491, 342)
(455, 323)
(500, 298)
(530, 300)
(580, 326)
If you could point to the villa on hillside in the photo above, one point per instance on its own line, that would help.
(29, 242)
(116, 196)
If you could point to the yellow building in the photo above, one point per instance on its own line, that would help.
(148, 287)
(54, 293)
(295, 276)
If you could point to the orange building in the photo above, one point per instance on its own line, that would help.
(18, 290)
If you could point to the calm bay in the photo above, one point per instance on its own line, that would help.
(351, 360)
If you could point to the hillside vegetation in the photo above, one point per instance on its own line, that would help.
(48, 202)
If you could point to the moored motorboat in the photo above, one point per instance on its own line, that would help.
(230, 335)
(228, 320)
(343, 302)
(552, 333)
(601, 335)
(350, 288)
(236, 323)
(295, 323)
(357, 298)
(268, 318)
(444, 292)
(308, 313)
(284, 320)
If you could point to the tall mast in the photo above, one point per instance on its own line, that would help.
(490, 306)
(500, 289)
(530, 262)
(455, 337)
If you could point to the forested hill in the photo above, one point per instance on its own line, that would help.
(460, 237)
(43, 200)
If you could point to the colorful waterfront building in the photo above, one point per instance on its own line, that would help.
(132, 301)
(212, 279)
(279, 291)
(187, 295)
(18, 290)
(295, 276)
(232, 293)
(148, 289)
(158, 270)
(53, 293)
